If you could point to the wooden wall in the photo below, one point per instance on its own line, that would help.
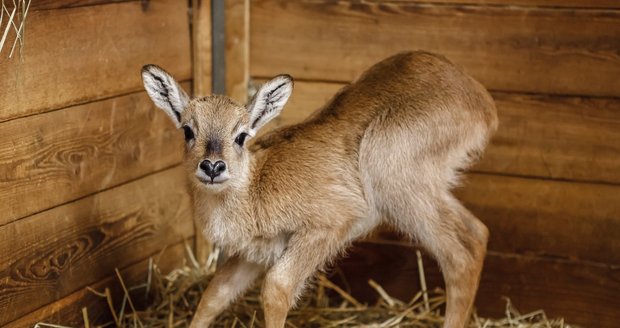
(89, 170)
(549, 185)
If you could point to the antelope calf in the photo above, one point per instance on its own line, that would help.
(387, 148)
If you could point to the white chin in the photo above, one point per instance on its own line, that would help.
(213, 187)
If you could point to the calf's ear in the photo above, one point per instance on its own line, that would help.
(165, 92)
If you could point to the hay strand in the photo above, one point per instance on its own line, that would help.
(8, 23)
(49, 325)
(19, 33)
(85, 317)
(324, 283)
(15, 20)
(422, 279)
(128, 297)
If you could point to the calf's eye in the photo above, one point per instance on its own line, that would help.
(240, 139)
(189, 134)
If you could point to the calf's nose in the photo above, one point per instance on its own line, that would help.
(212, 169)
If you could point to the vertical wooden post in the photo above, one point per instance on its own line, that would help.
(237, 49)
(201, 57)
(201, 46)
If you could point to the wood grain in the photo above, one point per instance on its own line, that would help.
(68, 310)
(556, 137)
(546, 217)
(583, 294)
(50, 255)
(99, 54)
(551, 137)
(80, 150)
(532, 50)
(602, 4)
(201, 55)
(237, 49)
(64, 4)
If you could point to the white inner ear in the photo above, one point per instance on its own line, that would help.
(165, 92)
(269, 101)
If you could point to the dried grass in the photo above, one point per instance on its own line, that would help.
(13, 19)
(174, 297)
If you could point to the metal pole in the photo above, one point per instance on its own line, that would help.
(218, 46)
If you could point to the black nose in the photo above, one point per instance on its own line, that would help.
(213, 170)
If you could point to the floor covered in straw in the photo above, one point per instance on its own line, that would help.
(173, 298)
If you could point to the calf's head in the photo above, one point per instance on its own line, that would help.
(216, 128)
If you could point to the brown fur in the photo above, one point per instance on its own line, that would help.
(388, 147)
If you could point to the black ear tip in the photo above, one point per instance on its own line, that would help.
(147, 68)
(287, 78)
(151, 68)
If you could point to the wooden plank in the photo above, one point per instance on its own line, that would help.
(602, 4)
(561, 219)
(50, 255)
(541, 136)
(98, 55)
(556, 137)
(237, 49)
(80, 150)
(583, 294)
(68, 310)
(64, 4)
(536, 50)
(201, 55)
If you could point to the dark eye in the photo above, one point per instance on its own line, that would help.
(189, 134)
(240, 139)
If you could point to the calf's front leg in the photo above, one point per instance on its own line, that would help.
(306, 253)
(230, 281)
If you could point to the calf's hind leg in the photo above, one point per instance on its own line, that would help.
(457, 240)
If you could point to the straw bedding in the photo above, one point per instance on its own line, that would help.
(174, 297)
